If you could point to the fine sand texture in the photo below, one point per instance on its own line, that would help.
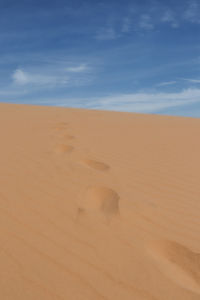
(98, 205)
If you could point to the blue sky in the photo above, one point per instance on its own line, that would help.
(137, 56)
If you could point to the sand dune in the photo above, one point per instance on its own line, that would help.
(98, 205)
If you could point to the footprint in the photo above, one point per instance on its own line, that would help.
(102, 199)
(179, 263)
(80, 212)
(63, 148)
(69, 136)
(95, 164)
(61, 126)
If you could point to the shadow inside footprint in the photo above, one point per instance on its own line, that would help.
(63, 148)
(95, 164)
(103, 200)
(69, 136)
(179, 263)
(61, 126)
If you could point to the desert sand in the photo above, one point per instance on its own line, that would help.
(98, 205)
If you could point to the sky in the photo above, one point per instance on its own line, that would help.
(136, 56)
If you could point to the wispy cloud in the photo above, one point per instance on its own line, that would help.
(53, 74)
(192, 80)
(169, 17)
(136, 102)
(106, 33)
(192, 12)
(166, 83)
(146, 22)
(78, 69)
(126, 25)
(147, 18)
(21, 77)
(146, 102)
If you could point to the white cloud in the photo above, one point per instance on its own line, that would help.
(78, 69)
(126, 25)
(20, 77)
(168, 17)
(135, 102)
(52, 75)
(192, 12)
(108, 33)
(146, 22)
(166, 83)
(146, 102)
(192, 80)
(149, 18)
(111, 32)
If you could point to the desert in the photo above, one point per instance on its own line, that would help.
(98, 205)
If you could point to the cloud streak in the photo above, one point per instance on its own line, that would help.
(192, 80)
(106, 33)
(21, 77)
(138, 102)
(147, 18)
(146, 102)
(166, 83)
(145, 22)
(52, 75)
(169, 18)
(191, 14)
(78, 69)
(126, 25)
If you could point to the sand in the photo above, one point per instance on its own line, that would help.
(98, 205)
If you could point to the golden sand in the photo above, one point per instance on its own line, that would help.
(98, 205)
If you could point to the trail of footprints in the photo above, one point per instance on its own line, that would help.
(175, 261)
(98, 199)
(63, 148)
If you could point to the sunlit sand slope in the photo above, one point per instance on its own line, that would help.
(98, 205)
